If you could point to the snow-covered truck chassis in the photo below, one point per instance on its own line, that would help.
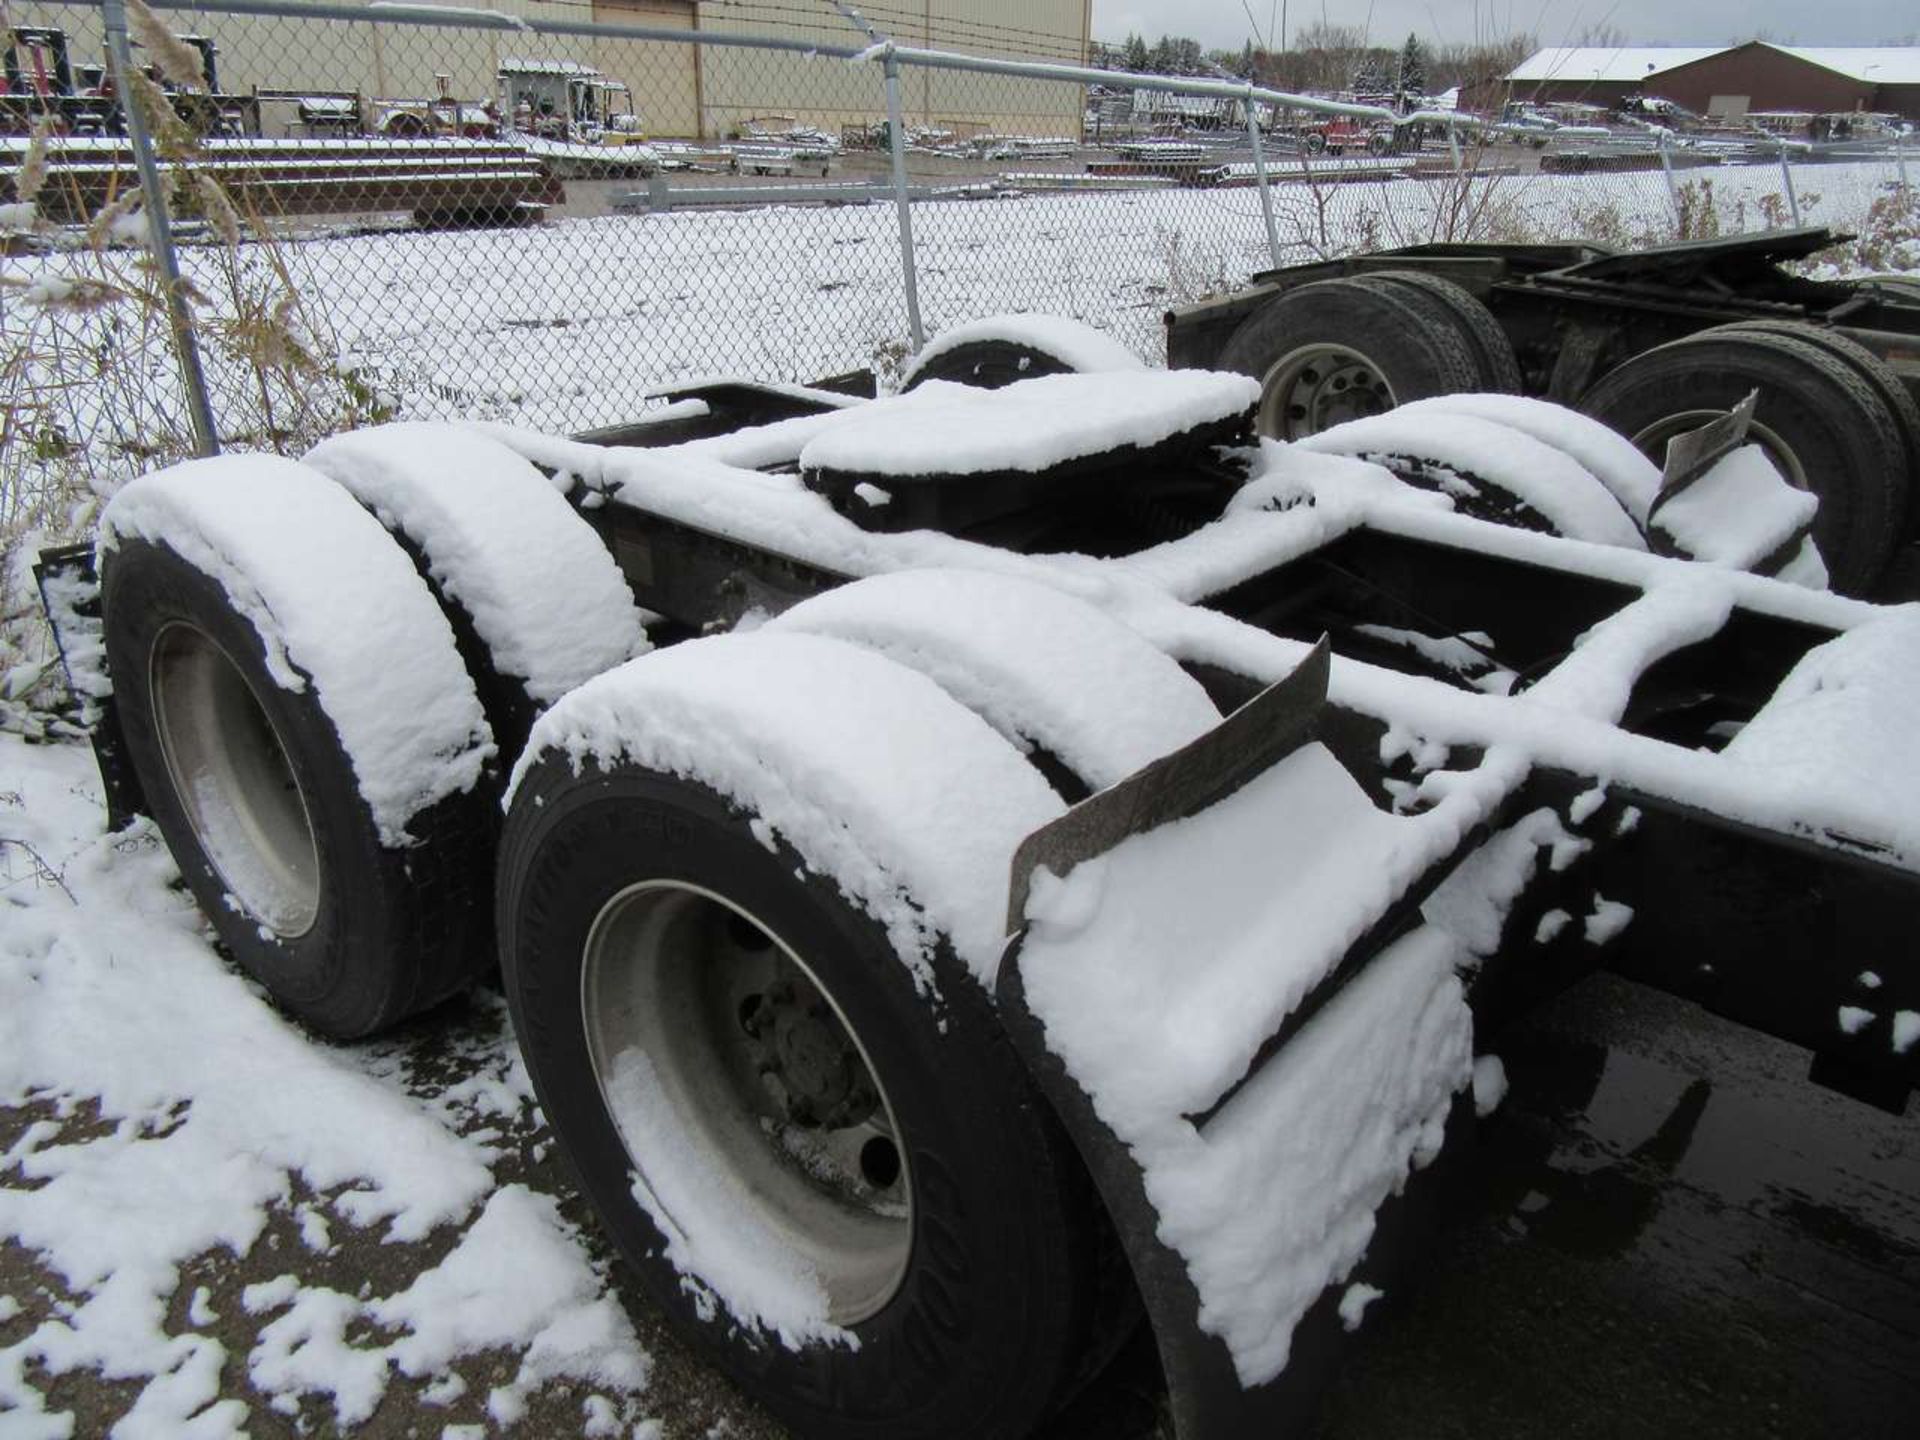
(1458, 759)
(1648, 340)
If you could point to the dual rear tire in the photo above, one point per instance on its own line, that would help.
(709, 1019)
(258, 799)
(1348, 348)
(1833, 417)
(322, 674)
(304, 735)
(857, 1111)
(945, 1216)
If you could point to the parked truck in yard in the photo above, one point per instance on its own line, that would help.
(976, 867)
(40, 82)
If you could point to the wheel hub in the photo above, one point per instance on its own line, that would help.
(807, 1058)
(755, 1062)
(1318, 386)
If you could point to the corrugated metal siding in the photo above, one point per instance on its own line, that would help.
(1773, 77)
(664, 78)
(740, 84)
(676, 93)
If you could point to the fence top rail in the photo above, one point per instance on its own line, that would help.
(1244, 90)
(450, 17)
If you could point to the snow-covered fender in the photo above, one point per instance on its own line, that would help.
(1246, 1359)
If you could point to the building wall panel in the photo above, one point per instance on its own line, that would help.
(678, 92)
(1768, 78)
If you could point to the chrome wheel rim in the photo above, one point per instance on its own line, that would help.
(754, 1064)
(1652, 442)
(1316, 387)
(235, 784)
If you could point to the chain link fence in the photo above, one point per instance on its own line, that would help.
(385, 210)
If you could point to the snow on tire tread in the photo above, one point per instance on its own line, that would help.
(1075, 344)
(1546, 478)
(1039, 665)
(873, 773)
(1606, 454)
(545, 596)
(333, 600)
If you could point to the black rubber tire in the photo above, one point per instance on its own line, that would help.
(396, 930)
(1900, 287)
(1839, 430)
(1392, 329)
(510, 711)
(1878, 375)
(459, 556)
(999, 1306)
(1495, 494)
(1499, 366)
(988, 365)
(438, 513)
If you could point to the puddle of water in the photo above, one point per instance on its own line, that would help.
(1666, 1236)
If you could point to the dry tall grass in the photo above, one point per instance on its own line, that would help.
(90, 387)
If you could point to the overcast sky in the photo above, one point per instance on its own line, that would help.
(1224, 23)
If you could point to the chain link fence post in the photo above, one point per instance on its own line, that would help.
(1786, 180)
(1900, 158)
(153, 195)
(1260, 179)
(1661, 142)
(897, 142)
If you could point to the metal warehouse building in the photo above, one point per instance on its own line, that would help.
(703, 91)
(1591, 75)
(1729, 81)
(1759, 76)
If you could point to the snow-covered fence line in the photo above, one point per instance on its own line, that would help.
(569, 321)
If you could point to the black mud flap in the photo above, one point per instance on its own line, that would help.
(1207, 1398)
(1690, 459)
(1692, 454)
(70, 595)
(1270, 726)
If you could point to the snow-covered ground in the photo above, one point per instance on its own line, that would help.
(223, 1216)
(565, 325)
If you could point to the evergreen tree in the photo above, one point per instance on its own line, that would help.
(1413, 67)
(1136, 52)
